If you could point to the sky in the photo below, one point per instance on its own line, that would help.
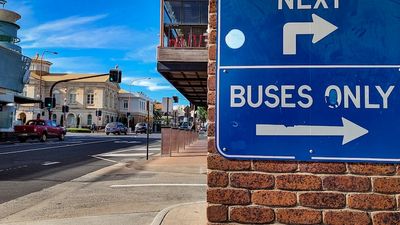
(93, 36)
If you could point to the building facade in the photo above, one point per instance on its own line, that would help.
(133, 107)
(83, 97)
(14, 71)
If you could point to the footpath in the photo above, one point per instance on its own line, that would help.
(163, 190)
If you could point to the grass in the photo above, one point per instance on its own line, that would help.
(78, 130)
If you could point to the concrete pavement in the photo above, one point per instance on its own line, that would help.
(132, 192)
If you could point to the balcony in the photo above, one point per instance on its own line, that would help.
(183, 55)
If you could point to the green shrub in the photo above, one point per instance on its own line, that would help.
(78, 130)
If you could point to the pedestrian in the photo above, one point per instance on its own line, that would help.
(93, 128)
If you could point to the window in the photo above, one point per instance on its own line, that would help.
(126, 104)
(72, 97)
(89, 119)
(90, 98)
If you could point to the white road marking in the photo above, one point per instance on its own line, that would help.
(126, 142)
(101, 158)
(158, 185)
(50, 163)
(125, 155)
(46, 148)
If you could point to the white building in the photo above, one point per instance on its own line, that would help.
(132, 107)
(84, 98)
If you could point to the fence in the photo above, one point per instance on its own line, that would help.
(174, 140)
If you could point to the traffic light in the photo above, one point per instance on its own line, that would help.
(65, 108)
(50, 103)
(175, 98)
(115, 76)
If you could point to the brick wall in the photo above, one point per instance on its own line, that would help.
(262, 192)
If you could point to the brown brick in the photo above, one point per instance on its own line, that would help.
(212, 52)
(217, 162)
(323, 200)
(274, 198)
(211, 83)
(252, 180)
(298, 182)
(398, 170)
(212, 21)
(213, 6)
(211, 72)
(212, 37)
(347, 183)
(217, 213)
(211, 129)
(217, 179)
(386, 218)
(346, 218)
(275, 167)
(211, 97)
(228, 196)
(371, 202)
(387, 185)
(211, 145)
(211, 114)
(252, 214)
(323, 168)
(372, 169)
(298, 216)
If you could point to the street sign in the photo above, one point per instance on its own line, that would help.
(310, 80)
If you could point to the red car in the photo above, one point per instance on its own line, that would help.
(41, 129)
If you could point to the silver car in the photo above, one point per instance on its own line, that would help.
(116, 128)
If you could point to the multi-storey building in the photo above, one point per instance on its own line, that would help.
(84, 97)
(133, 107)
(182, 54)
(13, 70)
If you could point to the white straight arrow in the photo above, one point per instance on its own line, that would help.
(320, 28)
(350, 131)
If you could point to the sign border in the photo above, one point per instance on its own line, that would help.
(282, 158)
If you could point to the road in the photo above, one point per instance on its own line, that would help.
(30, 167)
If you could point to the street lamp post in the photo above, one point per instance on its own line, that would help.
(41, 72)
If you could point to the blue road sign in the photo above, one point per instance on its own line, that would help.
(315, 80)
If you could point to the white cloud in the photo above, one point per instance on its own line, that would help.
(77, 65)
(82, 32)
(147, 54)
(153, 84)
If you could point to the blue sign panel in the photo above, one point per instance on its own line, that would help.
(314, 80)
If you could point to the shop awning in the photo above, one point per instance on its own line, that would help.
(19, 99)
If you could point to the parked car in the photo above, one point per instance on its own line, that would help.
(116, 128)
(141, 128)
(184, 126)
(41, 129)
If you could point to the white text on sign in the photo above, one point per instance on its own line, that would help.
(304, 4)
(273, 96)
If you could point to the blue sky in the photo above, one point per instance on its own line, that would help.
(94, 36)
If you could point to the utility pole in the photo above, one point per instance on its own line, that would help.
(168, 111)
(64, 111)
(148, 128)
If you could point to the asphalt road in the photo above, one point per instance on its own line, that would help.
(30, 167)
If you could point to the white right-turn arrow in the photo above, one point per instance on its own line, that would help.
(320, 28)
(350, 131)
